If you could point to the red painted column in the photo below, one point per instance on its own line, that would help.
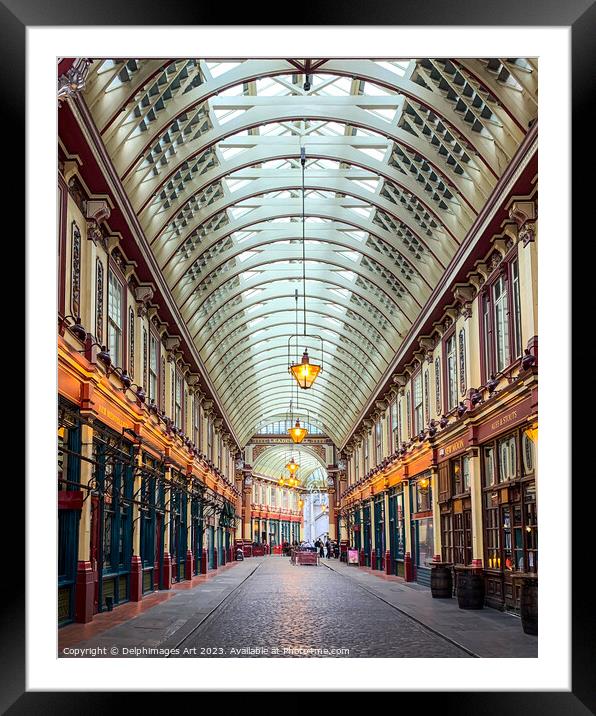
(204, 561)
(215, 558)
(408, 568)
(167, 571)
(84, 592)
(189, 564)
(373, 559)
(136, 579)
(362, 560)
(387, 562)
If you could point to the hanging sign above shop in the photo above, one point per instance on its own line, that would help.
(505, 420)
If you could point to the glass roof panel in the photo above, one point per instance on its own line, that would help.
(401, 156)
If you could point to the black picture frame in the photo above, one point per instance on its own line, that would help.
(580, 16)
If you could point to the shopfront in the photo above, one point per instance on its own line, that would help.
(196, 528)
(70, 498)
(367, 539)
(397, 532)
(151, 518)
(111, 516)
(508, 462)
(357, 529)
(455, 503)
(178, 525)
(422, 527)
(379, 515)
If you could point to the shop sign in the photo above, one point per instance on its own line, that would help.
(352, 556)
(452, 449)
(509, 418)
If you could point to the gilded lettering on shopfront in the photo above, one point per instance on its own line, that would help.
(503, 420)
(457, 445)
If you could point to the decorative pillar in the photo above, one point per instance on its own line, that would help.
(189, 560)
(388, 565)
(87, 573)
(167, 557)
(247, 495)
(136, 564)
(434, 481)
(476, 500)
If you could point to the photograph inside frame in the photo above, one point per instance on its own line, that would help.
(297, 405)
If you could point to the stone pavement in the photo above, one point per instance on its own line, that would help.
(485, 632)
(161, 617)
(266, 607)
(310, 611)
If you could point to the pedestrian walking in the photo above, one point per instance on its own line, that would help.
(328, 548)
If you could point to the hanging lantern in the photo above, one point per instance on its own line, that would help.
(297, 433)
(292, 466)
(305, 372)
(281, 482)
(300, 503)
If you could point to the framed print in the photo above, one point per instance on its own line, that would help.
(299, 405)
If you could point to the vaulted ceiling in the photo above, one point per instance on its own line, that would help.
(401, 156)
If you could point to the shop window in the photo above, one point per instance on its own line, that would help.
(365, 447)
(491, 530)
(507, 459)
(528, 449)
(446, 538)
(462, 537)
(489, 466)
(423, 495)
(531, 527)
(425, 541)
(115, 302)
(409, 413)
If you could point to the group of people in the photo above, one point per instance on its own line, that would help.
(324, 547)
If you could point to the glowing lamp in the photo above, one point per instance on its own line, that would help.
(297, 433)
(292, 467)
(532, 434)
(281, 482)
(305, 372)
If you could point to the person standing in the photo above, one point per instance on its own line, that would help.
(328, 548)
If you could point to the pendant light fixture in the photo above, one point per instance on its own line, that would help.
(292, 466)
(305, 372)
(297, 433)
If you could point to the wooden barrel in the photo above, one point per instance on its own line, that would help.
(470, 590)
(441, 583)
(529, 606)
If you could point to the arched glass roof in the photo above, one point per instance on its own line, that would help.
(272, 463)
(401, 156)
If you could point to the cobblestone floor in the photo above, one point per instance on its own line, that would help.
(288, 611)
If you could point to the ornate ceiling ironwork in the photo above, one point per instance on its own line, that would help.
(401, 157)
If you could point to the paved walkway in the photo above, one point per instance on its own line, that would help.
(266, 607)
(485, 632)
